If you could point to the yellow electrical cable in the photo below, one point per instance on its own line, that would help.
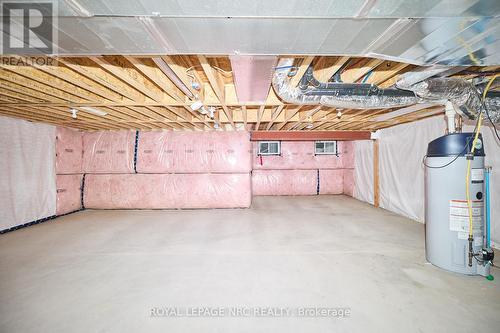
(467, 178)
(467, 47)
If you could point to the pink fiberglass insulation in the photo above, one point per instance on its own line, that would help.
(346, 152)
(297, 155)
(69, 151)
(68, 193)
(167, 191)
(194, 152)
(284, 182)
(348, 182)
(331, 181)
(108, 152)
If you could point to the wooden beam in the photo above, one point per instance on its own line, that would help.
(149, 70)
(217, 86)
(275, 115)
(33, 78)
(132, 77)
(376, 180)
(324, 72)
(244, 115)
(136, 78)
(385, 71)
(310, 135)
(355, 73)
(87, 68)
(289, 114)
(259, 117)
(67, 74)
(304, 65)
(304, 117)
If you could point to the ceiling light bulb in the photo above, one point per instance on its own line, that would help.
(196, 105)
(195, 85)
(339, 114)
(73, 113)
(309, 126)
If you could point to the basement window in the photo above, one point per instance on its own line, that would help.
(326, 148)
(269, 148)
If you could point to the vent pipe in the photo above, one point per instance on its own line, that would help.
(334, 94)
(465, 97)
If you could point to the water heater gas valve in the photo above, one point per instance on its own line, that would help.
(488, 255)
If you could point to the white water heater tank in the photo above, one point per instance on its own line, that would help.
(446, 210)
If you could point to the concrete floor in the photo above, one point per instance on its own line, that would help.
(103, 271)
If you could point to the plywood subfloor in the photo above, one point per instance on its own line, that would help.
(103, 271)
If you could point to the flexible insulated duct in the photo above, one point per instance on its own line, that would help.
(465, 97)
(338, 95)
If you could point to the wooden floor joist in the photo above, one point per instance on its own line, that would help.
(156, 92)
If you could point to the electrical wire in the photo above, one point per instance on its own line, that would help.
(466, 46)
(449, 163)
(456, 156)
(486, 108)
(491, 121)
(478, 260)
(469, 161)
(467, 177)
(222, 71)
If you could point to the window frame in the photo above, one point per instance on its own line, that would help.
(336, 152)
(260, 153)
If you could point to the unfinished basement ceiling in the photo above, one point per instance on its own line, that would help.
(144, 63)
(136, 94)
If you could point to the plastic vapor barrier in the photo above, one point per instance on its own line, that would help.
(68, 193)
(331, 181)
(401, 172)
(194, 152)
(300, 155)
(363, 171)
(27, 180)
(108, 152)
(69, 151)
(284, 182)
(167, 191)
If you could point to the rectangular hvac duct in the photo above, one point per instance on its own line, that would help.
(252, 77)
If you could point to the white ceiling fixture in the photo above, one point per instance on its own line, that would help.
(198, 106)
(93, 111)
